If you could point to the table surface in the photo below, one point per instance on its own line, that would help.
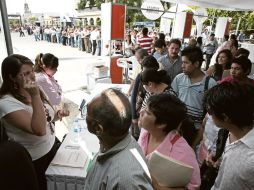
(88, 142)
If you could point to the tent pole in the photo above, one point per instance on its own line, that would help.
(172, 33)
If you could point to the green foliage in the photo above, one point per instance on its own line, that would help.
(82, 4)
(246, 23)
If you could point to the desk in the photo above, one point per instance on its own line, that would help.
(70, 178)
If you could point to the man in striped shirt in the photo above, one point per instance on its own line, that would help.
(145, 42)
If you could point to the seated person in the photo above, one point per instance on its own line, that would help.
(117, 164)
(27, 114)
(161, 121)
(231, 106)
(45, 68)
(240, 69)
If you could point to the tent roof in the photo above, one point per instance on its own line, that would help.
(236, 5)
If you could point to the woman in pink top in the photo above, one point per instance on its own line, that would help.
(45, 68)
(161, 120)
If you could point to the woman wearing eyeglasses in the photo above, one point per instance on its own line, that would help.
(26, 113)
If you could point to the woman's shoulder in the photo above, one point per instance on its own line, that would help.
(40, 77)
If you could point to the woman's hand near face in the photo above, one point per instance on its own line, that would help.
(30, 86)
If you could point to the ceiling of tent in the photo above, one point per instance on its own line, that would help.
(237, 5)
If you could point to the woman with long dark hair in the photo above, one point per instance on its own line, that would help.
(26, 113)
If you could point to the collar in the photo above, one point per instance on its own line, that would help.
(103, 156)
(248, 139)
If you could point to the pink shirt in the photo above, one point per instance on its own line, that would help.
(230, 79)
(51, 88)
(180, 151)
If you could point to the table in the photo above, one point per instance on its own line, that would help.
(73, 178)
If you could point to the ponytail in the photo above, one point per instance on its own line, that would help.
(38, 63)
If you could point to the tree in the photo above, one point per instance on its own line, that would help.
(246, 18)
(82, 4)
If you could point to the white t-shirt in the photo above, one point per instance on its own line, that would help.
(37, 146)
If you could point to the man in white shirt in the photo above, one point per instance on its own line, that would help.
(231, 106)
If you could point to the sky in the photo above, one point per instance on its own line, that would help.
(41, 6)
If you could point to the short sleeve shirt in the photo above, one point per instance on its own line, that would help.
(37, 146)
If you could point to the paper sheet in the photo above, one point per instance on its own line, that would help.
(72, 156)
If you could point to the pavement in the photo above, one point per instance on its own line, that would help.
(74, 65)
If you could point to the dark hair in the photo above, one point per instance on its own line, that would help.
(11, 66)
(226, 37)
(170, 110)
(145, 31)
(161, 36)
(159, 43)
(174, 41)
(47, 59)
(150, 62)
(194, 54)
(142, 53)
(199, 40)
(244, 62)
(105, 112)
(229, 56)
(242, 52)
(152, 75)
(233, 99)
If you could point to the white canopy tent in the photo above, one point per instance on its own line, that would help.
(234, 5)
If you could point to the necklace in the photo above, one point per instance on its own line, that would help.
(50, 123)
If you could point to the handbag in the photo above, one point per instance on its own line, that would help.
(208, 172)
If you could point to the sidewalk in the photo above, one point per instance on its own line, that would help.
(71, 75)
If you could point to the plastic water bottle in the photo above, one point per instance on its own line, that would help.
(76, 130)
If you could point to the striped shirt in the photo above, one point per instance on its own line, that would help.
(192, 95)
(145, 42)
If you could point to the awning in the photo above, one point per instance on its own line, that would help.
(233, 5)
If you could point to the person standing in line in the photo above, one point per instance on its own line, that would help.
(145, 42)
(120, 163)
(172, 62)
(210, 48)
(190, 86)
(231, 106)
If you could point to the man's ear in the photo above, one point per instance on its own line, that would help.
(98, 129)
(196, 64)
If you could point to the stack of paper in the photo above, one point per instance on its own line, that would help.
(72, 156)
(168, 171)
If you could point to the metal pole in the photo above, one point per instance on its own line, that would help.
(172, 31)
(238, 24)
(6, 27)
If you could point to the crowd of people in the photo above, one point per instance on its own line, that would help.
(201, 117)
